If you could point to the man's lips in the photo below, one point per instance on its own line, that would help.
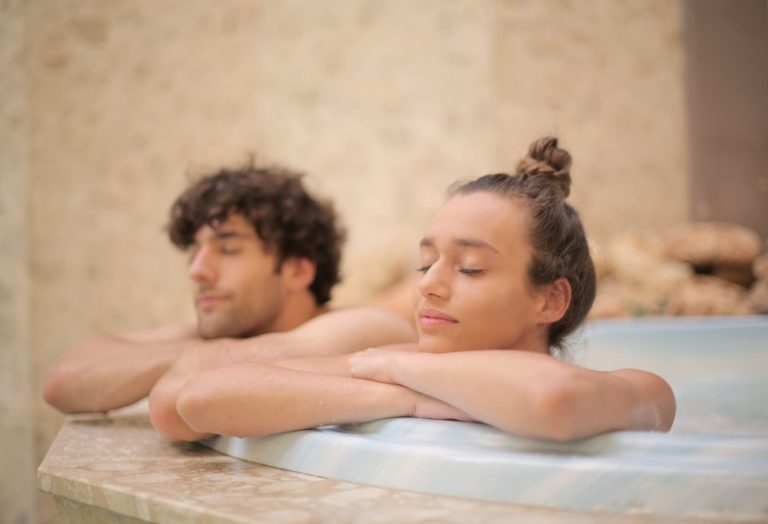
(434, 318)
(208, 300)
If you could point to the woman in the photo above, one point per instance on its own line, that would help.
(505, 276)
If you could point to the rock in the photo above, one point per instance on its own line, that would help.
(706, 295)
(758, 296)
(738, 274)
(643, 274)
(707, 244)
(760, 267)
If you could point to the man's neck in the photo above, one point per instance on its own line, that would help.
(297, 309)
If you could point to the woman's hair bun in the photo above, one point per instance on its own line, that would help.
(547, 160)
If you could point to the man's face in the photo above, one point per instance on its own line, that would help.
(237, 288)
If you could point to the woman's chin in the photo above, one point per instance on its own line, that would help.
(433, 344)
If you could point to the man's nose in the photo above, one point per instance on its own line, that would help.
(202, 267)
(434, 282)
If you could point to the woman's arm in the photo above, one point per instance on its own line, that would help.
(529, 394)
(252, 399)
(259, 399)
(215, 365)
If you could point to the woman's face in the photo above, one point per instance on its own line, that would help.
(474, 291)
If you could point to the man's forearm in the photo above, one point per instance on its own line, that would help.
(108, 373)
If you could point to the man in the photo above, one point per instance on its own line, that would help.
(263, 258)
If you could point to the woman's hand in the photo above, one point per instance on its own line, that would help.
(373, 364)
(379, 364)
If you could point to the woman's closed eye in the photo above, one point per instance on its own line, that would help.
(463, 270)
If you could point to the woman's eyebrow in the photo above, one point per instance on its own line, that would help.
(462, 242)
(474, 242)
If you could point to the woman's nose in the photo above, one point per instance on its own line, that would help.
(202, 267)
(434, 282)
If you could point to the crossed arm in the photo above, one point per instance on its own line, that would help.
(530, 394)
(110, 372)
(522, 393)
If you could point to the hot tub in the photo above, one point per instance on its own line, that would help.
(713, 464)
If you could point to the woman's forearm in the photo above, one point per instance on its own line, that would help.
(258, 399)
(531, 394)
(479, 383)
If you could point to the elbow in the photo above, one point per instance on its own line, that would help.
(667, 413)
(165, 419)
(161, 408)
(574, 407)
(57, 384)
(52, 389)
(64, 390)
(664, 407)
(194, 407)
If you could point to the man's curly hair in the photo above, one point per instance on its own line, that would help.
(285, 216)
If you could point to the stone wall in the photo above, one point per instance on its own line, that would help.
(18, 415)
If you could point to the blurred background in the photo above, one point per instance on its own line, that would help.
(108, 109)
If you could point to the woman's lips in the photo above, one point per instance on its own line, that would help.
(431, 318)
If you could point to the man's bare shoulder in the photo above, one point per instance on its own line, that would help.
(353, 328)
(347, 316)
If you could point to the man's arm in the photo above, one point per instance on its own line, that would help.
(526, 393)
(108, 372)
(399, 299)
(338, 332)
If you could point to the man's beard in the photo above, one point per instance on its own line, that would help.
(228, 327)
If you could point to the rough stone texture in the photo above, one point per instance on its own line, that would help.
(17, 419)
(112, 105)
